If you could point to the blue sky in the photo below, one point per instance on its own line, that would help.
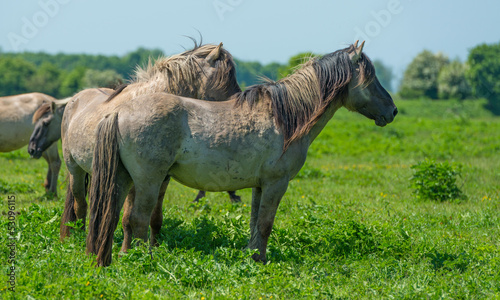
(257, 30)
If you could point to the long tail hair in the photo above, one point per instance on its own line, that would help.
(103, 194)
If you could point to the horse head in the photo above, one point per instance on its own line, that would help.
(366, 95)
(219, 77)
(47, 120)
(206, 72)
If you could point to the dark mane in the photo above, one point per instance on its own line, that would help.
(117, 91)
(42, 110)
(299, 100)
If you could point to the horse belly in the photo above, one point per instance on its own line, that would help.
(14, 135)
(215, 173)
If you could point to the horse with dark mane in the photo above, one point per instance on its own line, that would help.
(257, 139)
(205, 72)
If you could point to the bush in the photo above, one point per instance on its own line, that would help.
(452, 82)
(106, 78)
(436, 181)
(421, 76)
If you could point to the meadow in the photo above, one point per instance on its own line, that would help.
(349, 226)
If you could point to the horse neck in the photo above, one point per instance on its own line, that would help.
(322, 122)
(58, 116)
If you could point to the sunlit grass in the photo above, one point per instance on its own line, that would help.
(348, 227)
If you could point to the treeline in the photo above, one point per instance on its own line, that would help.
(429, 75)
(435, 76)
(62, 75)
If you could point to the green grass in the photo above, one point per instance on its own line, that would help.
(349, 226)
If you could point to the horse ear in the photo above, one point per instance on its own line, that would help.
(356, 55)
(214, 55)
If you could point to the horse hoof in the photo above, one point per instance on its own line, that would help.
(236, 199)
(259, 258)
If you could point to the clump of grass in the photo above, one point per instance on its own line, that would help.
(436, 181)
(14, 187)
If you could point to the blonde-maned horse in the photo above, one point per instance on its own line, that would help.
(17, 114)
(207, 72)
(257, 139)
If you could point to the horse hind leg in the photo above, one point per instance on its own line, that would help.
(146, 199)
(75, 206)
(156, 219)
(127, 230)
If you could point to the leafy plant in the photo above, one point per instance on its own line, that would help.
(436, 181)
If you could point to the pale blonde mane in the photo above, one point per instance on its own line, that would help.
(176, 73)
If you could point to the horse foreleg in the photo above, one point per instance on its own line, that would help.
(54, 167)
(157, 215)
(46, 183)
(262, 219)
(256, 196)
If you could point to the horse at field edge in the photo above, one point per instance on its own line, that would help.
(276, 121)
(17, 118)
(206, 71)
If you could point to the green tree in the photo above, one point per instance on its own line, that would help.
(421, 76)
(72, 82)
(140, 57)
(47, 79)
(384, 74)
(250, 73)
(293, 63)
(452, 82)
(14, 75)
(106, 78)
(484, 74)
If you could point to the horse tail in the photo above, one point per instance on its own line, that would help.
(103, 193)
(117, 91)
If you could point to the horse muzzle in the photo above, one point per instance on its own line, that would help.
(34, 152)
(388, 118)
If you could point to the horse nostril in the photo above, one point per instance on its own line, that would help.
(395, 111)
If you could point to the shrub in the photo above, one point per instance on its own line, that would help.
(452, 82)
(421, 76)
(436, 181)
